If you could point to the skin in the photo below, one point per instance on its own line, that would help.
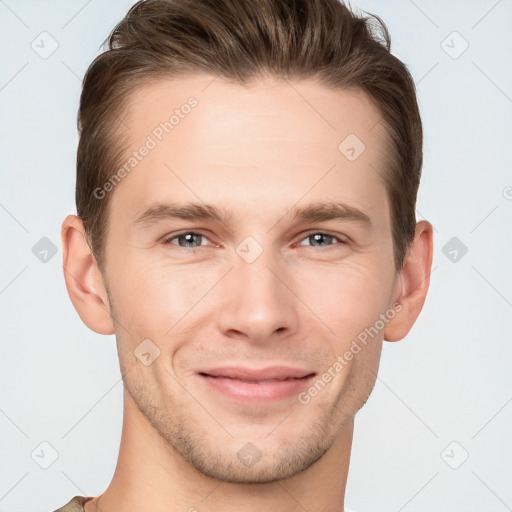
(259, 151)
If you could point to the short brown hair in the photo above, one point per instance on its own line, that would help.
(241, 40)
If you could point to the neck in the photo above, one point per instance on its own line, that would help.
(150, 474)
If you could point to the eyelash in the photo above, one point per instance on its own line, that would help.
(167, 241)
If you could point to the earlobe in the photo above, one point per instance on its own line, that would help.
(414, 281)
(84, 281)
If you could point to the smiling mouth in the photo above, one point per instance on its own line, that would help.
(251, 387)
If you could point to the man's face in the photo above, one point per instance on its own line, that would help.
(259, 289)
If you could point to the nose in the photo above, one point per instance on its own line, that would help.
(258, 302)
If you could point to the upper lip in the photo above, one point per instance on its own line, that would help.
(251, 374)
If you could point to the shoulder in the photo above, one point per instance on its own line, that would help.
(75, 505)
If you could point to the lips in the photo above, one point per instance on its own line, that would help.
(270, 374)
(256, 385)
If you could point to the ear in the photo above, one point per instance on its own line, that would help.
(84, 281)
(413, 282)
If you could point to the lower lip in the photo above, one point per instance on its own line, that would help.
(255, 391)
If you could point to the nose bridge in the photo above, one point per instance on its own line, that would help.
(258, 302)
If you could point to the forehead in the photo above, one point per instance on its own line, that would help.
(269, 143)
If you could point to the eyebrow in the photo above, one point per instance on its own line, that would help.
(185, 211)
(317, 212)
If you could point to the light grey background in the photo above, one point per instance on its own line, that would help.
(449, 381)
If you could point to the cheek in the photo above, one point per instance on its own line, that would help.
(347, 298)
(151, 297)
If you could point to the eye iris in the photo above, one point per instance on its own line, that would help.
(189, 239)
(319, 237)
